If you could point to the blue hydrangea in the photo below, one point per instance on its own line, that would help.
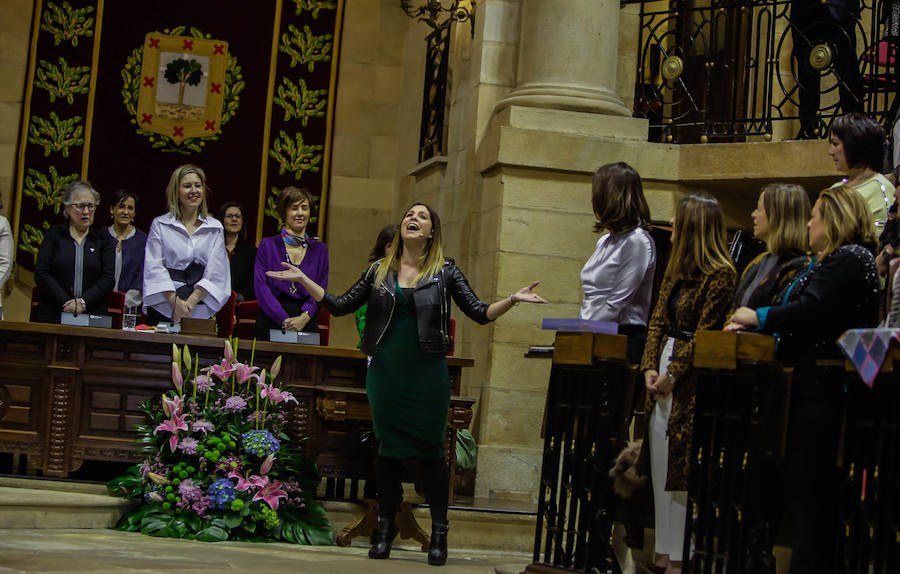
(221, 493)
(260, 443)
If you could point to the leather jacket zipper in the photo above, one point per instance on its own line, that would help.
(390, 315)
(444, 320)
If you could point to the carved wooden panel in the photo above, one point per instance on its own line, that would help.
(69, 394)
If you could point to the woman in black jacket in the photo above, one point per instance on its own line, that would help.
(839, 291)
(241, 253)
(76, 264)
(407, 335)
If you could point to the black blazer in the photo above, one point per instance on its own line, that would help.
(431, 298)
(242, 261)
(54, 271)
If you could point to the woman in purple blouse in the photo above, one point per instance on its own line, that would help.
(287, 305)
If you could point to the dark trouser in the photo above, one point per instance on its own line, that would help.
(810, 26)
(293, 307)
(435, 480)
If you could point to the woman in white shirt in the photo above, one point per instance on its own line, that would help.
(186, 271)
(6, 255)
(618, 278)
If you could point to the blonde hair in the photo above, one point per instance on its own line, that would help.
(432, 258)
(175, 182)
(699, 247)
(787, 209)
(846, 217)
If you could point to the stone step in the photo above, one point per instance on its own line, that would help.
(27, 503)
(44, 507)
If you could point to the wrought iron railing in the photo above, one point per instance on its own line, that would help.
(733, 70)
(439, 16)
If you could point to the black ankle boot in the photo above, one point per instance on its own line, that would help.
(383, 537)
(437, 553)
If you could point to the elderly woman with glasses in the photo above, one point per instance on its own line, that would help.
(76, 264)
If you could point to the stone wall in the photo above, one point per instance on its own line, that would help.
(15, 35)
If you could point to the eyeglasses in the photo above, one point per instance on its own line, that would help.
(233, 216)
(83, 206)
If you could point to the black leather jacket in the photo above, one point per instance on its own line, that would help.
(431, 298)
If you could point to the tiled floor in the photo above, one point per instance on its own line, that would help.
(108, 551)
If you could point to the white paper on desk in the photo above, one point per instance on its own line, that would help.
(80, 320)
(302, 337)
(86, 320)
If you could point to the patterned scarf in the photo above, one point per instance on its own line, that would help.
(291, 239)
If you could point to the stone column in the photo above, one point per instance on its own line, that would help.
(568, 56)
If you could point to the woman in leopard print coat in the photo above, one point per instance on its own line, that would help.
(696, 293)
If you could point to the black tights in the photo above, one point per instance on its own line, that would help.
(435, 480)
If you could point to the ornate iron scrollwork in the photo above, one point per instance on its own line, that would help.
(435, 15)
(730, 71)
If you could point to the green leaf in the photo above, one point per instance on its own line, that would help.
(233, 519)
(179, 526)
(287, 532)
(152, 524)
(249, 526)
(213, 534)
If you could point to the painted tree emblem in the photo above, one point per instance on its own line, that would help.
(183, 72)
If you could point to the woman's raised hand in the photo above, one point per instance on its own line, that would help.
(528, 295)
(290, 273)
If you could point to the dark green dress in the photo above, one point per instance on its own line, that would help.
(409, 391)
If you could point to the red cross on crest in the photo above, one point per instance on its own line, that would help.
(178, 131)
(211, 125)
(148, 82)
(154, 43)
(215, 88)
(219, 49)
(188, 45)
(146, 118)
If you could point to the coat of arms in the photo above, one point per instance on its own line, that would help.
(182, 81)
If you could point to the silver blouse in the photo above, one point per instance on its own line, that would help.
(618, 278)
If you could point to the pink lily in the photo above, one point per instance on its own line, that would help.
(177, 379)
(266, 465)
(186, 356)
(286, 397)
(157, 478)
(276, 367)
(270, 493)
(274, 394)
(173, 425)
(244, 372)
(156, 497)
(229, 352)
(268, 391)
(172, 406)
(223, 370)
(248, 481)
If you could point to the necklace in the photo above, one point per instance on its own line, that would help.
(293, 288)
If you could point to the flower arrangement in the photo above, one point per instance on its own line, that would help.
(218, 464)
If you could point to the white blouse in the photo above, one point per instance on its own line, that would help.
(6, 256)
(618, 278)
(169, 245)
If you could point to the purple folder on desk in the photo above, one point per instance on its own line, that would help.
(580, 326)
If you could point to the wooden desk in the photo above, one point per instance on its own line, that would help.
(69, 394)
